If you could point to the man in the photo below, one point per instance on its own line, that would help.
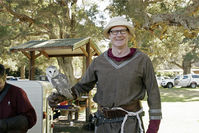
(123, 75)
(16, 112)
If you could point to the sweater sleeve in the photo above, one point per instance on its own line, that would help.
(87, 82)
(153, 126)
(153, 93)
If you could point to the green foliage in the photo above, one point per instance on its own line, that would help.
(167, 6)
(119, 7)
(91, 13)
(4, 31)
(25, 20)
(192, 52)
(10, 72)
(87, 20)
(41, 19)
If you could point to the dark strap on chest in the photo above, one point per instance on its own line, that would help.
(5, 91)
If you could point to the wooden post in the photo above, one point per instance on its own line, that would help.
(88, 100)
(88, 58)
(32, 66)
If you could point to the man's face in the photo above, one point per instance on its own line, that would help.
(2, 83)
(119, 36)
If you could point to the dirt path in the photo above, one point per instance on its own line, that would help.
(180, 111)
(178, 117)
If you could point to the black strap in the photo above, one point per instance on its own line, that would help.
(99, 119)
(102, 120)
(5, 91)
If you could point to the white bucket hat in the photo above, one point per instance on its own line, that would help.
(117, 21)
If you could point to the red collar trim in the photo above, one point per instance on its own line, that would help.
(118, 59)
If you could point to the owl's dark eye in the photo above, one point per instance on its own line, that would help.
(50, 71)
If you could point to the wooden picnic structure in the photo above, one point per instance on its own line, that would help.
(68, 47)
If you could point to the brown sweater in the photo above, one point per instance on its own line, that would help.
(121, 83)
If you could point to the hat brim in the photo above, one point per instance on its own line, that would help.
(117, 23)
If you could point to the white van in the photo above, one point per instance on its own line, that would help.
(37, 92)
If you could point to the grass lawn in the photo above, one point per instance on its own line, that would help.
(179, 94)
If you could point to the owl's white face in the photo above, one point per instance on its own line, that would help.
(51, 72)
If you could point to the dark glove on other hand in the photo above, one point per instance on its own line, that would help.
(54, 99)
(3, 126)
(153, 126)
(15, 123)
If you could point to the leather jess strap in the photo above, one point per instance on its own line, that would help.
(110, 114)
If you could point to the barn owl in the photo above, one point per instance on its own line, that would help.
(59, 81)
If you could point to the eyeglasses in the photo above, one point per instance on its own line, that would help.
(115, 32)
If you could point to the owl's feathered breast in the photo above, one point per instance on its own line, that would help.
(60, 82)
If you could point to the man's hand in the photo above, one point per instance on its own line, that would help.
(3, 125)
(15, 123)
(54, 99)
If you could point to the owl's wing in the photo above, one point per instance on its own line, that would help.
(62, 85)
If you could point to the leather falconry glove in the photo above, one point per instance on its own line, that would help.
(55, 98)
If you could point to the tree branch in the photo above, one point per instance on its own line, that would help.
(173, 62)
(23, 17)
(153, 1)
(186, 20)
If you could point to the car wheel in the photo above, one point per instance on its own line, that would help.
(193, 85)
(169, 85)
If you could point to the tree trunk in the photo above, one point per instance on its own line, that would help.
(186, 65)
(22, 72)
(65, 63)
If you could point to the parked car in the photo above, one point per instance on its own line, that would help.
(168, 82)
(189, 80)
(159, 80)
(11, 78)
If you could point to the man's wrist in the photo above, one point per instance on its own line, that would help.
(153, 126)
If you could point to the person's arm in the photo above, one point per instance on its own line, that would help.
(153, 99)
(87, 82)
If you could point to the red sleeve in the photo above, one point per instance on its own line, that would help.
(25, 108)
(153, 126)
